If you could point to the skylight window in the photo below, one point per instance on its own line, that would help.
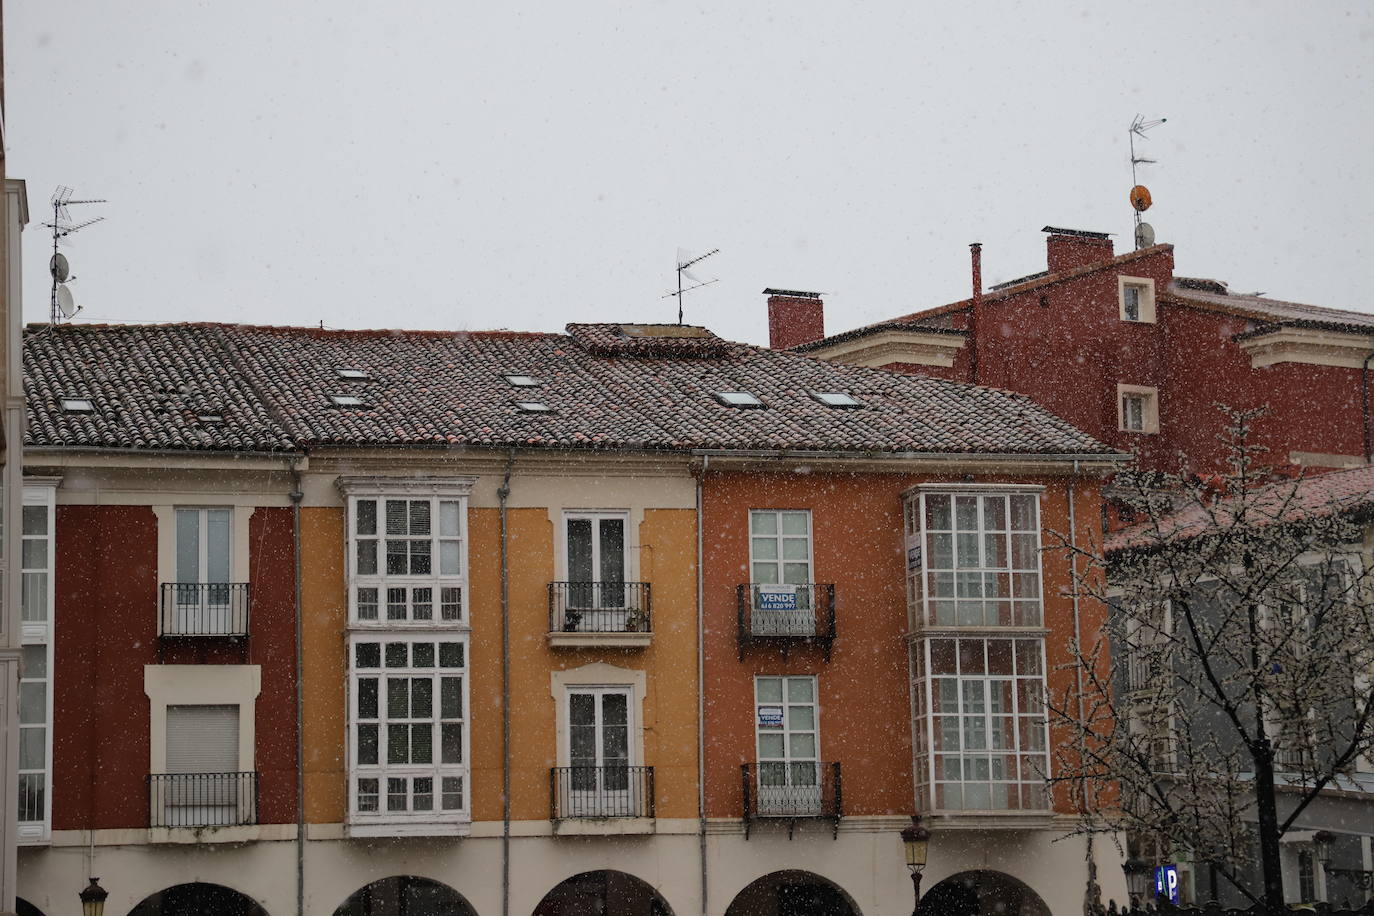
(347, 400)
(836, 399)
(78, 405)
(353, 374)
(523, 381)
(210, 418)
(533, 407)
(738, 399)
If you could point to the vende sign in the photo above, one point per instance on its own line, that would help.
(777, 597)
(1166, 882)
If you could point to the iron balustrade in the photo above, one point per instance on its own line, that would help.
(786, 613)
(204, 609)
(202, 799)
(600, 607)
(601, 791)
(792, 791)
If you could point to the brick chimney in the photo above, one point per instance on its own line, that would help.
(1070, 248)
(794, 318)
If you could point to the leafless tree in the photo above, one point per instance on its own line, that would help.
(1231, 685)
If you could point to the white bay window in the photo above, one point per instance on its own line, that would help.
(974, 599)
(408, 645)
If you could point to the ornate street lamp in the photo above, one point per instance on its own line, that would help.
(1137, 879)
(916, 839)
(93, 899)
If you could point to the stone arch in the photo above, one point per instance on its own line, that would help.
(603, 893)
(974, 893)
(405, 895)
(23, 908)
(198, 898)
(792, 893)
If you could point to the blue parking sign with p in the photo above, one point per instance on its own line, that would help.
(1166, 883)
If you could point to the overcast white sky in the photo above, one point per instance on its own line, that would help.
(481, 165)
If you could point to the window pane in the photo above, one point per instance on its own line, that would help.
(366, 558)
(800, 690)
(35, 661)
(421, 698)
(33, 703)
(450, 655)
(397, 697)
(422, 655)
(449, 519)
(188, 546)
(770, 745)
(796, 549)
(396, 654)
(803, 746)
(794, 523)
(612, 550)
(451, 742)
(765, 548)
(397, 558)
(419, 559)
(367, 744)
(450, 558)
(419, 516)
(796, 573)
(398, 744)
(422, 743)
(366, 514)
(453, 792)
(396, 517)
(217, 545)
(937, 513)
(580, 550)
(367, 655)
(367, 795)
(763, 522)
(451, 698)
(451, 603)
(367, 698)
(801, 718)
(367, 604)
(36, 520)
(1023, 513)
(396, 604)
(395, 795)
(769, 689)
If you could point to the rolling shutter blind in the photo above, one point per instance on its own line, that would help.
(202, 739)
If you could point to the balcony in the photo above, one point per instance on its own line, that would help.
(202, 799)
(800, 790)
(784, 615)
(601, 799)
(605, 614)
(201, 609)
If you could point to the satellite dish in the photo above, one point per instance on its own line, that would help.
(1144, 235)
(66, 302)
(59, 268)
(1140, 198)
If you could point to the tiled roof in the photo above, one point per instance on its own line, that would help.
(1275, 311)
(272, 386)
(1287, 501)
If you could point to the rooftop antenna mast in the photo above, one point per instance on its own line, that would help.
(1140, 195)
(62, 225)
(684, 261)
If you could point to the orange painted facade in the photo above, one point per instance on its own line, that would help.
(864, 702)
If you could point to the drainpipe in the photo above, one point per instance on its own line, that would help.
(976, 255)
(701, 690)
(502, 494)
(1090, 892)
(1364, 402)
(297, 494)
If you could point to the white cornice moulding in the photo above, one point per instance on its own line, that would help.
(1313, 346)
(922, 348)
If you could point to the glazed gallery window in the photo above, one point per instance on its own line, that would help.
(973, 559)
(37, 532)
(982, 723)
(409, 560)
(787, 732)
(409, 740)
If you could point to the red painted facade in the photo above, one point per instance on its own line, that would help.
(106, 632)
(1060, 338)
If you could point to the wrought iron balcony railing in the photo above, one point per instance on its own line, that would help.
(202, 799)
(600, 607)
(786, 613)
(601, 791)
(204, 609)
(792, 791)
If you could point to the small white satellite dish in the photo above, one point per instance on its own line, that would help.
(1144, 235)
(66, 302)
(59, 268)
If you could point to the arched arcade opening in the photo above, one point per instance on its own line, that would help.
(405, 895)
(603, 893)
(198, 899)
(792, 893)
(975, 893)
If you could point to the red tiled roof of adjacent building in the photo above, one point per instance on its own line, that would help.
(606, 386)
(1284, 502)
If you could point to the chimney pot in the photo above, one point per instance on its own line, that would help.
(1066, 249)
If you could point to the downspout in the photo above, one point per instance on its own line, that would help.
(297, 494)
(701, 690)
(502, 494)
(1364, 402)
(1091, 892)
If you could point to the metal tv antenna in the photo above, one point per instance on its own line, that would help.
(62, 225)
(1140, 195)
(684, 261)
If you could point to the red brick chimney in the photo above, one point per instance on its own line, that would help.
(1070, 248)
(794, 318)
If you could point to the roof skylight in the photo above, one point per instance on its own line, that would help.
(78, 405)
(354, 374)
(738, 399)
(523, 381)
(347, 400)
(836, 399)
(533, 407)
(210, 417)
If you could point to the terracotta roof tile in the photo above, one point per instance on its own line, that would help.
(437, 388)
